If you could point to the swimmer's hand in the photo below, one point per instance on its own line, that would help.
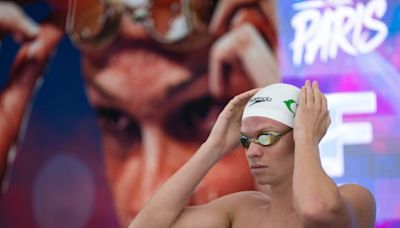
(225, 135)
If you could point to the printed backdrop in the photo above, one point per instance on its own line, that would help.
(351, 47)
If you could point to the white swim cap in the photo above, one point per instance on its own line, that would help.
(276, 101)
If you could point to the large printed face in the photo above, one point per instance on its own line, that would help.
(154, 110)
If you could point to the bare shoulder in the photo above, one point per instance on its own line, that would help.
(219, 212)
(246, 197)
(362, 204)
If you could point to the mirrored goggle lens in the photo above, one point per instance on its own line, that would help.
(177, 25)
(92, 21)
(180, 25)
(263, 139)
(167, 21)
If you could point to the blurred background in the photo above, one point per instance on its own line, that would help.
(57, 178)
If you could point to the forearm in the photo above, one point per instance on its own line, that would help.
(316, 196)
(166, 205)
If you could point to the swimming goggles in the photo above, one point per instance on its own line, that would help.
(176, 25)
(266, 138)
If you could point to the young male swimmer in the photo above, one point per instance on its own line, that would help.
(280, 128)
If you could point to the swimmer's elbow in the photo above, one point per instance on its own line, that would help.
(319, 213)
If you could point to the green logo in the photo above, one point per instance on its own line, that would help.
(289, 105)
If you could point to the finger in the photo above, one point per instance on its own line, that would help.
(239, 101)
(324, 108)
(302, 97)
(243, 100)
(244, 97)
(256, 56)
(309, 94)
(224, 12)
(324, 102)
(215, 77)
(25, 70)
(37, 51)
(245, 44)
(263, 21)
(223, 52)
(16, 95)
(14, 20)
(326, 121)
(234, 109)
(12, 105)
(25, 26)
(44, 44)
(316, 93)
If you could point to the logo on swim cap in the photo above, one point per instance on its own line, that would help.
(291, 105)
(255, 100)
(276, 101)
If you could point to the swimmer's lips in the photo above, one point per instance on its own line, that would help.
(258, 166)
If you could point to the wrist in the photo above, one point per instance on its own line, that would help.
(305, 138)
(211, 152)
(305, 142)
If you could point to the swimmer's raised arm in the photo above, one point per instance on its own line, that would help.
(317, 199)
(167, 205)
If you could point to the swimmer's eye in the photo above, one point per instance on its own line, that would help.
(194, 119)
(117, 123)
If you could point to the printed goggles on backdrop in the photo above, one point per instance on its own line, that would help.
(266, 138)
(177, 25)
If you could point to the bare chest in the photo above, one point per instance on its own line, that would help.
(265, 220)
